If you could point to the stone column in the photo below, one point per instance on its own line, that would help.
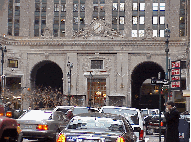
(128, 18)
(122, 74)
(50, 15)
(148, 13)
(4, 17)
(88, 11)
(69, 19)
(24, 18)
(108, 11)
(31, 18)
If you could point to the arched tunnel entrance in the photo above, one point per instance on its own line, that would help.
(45, 74)
(141, 72)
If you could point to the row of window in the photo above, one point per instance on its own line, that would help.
(140, 33)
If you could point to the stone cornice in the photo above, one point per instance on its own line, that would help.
(105, 43)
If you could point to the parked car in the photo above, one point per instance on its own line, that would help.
(8, 127)
(41, 124)
(153, 126)
(134, 116)
(94, 127)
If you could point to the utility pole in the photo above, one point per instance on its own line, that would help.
(167, 36)
(2, 75)
(159, 77)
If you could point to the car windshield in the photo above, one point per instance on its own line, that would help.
(64, 110)
(36, 115)
(96, 123)
(111, 110)
(80, 110)
(131, 115)
(145, 112)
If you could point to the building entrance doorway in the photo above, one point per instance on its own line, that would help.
(97, 91)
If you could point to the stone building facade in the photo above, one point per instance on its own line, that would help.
(117, 41)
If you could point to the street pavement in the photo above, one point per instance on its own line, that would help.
(154, 138)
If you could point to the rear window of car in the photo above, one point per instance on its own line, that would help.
(111, 110)
(36, 115)
(96, 123)
(80, 110)
(131, 115)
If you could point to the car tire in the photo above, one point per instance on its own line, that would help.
(150, 131)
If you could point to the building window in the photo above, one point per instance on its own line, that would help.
(155, 6)
(82, 7)
(12, 63)
(134, 20)
(75, 7)
(75, 20)
(134, 33)
(141, 33)
(162, 6)
(96, 64)
(134, 6)
(114, 21)
(154, 33)
(115, 6)
(161, 33)
(142, 20)
(56, 7)
(121, 20)
(155, 19)
(161, 19)
(63, 7)
(142, 6)
(122, 7)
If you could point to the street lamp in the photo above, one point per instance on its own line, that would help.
(167, 36)
(70, 66)
(3, 49)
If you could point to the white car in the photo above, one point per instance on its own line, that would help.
(133, 115)
(136, 121)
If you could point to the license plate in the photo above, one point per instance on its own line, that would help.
(26, 127)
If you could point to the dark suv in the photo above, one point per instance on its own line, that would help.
(153, 125)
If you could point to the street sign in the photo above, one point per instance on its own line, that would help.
(175, 75)
(162, 81)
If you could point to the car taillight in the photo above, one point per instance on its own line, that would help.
(61, 138)
(42, 127)
(120, 139)
(141, 135)
(18, 124)
(1, 114)
(9, 114)
(161, 124)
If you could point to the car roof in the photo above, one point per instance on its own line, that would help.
(96, 114)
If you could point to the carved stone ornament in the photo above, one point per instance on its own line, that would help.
(149, 34)
(47, 33)
(97, 28)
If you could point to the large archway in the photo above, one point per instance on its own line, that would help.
(141, 72)
(47, 73)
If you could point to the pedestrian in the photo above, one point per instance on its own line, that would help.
(172, 121)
